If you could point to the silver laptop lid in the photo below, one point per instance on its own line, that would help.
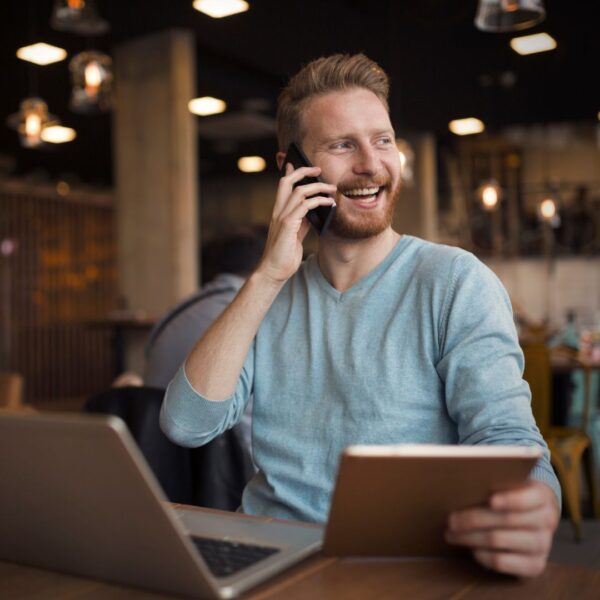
(73, 500)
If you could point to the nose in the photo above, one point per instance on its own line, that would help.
(366, 161)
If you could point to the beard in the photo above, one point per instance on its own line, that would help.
(360, 225)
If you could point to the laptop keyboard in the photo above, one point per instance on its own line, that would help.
(226, 558)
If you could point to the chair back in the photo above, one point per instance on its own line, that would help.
(538, 375)
(11, 390)
(213, 476)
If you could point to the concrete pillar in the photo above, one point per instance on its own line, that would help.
(417, 209)
(427, 181)
(155, 149)
(156, 170)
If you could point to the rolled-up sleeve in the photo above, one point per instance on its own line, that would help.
(190, 419)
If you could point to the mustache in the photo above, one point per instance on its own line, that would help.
(363, 182)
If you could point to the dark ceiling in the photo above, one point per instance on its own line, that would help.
(440, 65)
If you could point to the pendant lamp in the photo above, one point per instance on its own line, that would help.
(92, 76)
(78, 16)
(509, 15)
(30, 121)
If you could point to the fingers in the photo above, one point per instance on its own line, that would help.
(287, 193)
(482, 518)
(518, 541)
(529, 497)
(514, 534)
(510, 563)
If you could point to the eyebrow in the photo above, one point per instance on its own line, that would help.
(346, 136)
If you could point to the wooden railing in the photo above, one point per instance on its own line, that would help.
(57, 276)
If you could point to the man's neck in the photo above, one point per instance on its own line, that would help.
(343, 262)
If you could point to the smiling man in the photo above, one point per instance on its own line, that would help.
(378, 339)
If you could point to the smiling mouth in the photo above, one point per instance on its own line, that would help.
(364, 197)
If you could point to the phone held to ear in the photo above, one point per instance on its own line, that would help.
(319, 217)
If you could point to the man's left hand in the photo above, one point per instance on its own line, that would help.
(513, 534)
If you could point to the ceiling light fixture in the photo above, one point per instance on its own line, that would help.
(91, 73)
(207, 105)
(41, 53)
(30, 121)
(530, 44)
(509, 15)
(220, 8)
(251, 164)
(78, 16)
(468, 126)
(56, 134)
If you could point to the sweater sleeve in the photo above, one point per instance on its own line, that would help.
(190, 419)
(481, 364)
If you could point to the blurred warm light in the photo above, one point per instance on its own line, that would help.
(30, 121)
(402, 159)
(91, 73)
(530, 44)
(598, 115)
(57, 134)
(63, 188)
(407, 157)
(252, 164)
(220, 8)
(93, 77)
(207, 105)
(490, 193)
(548, 209)
(41, 54)
(467, 126)
(489, 197)
(33, 125)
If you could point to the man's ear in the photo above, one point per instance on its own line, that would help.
(280, 157)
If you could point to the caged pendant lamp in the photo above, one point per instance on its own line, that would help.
(30, 121)
(509, 15)
(78, 16)
(91, 72)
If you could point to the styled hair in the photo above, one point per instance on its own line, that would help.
(322, 76)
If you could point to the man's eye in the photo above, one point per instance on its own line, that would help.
(385, 141)
(340, 146)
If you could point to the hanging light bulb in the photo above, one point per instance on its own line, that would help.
(407, 158)
(548, 210)
(91, 73)
(489, 194)
(509, 15)
(30, 121)
(78, 16)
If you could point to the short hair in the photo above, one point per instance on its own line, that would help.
(322, 76)
(237, 252)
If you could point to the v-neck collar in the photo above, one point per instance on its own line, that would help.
(317, 274)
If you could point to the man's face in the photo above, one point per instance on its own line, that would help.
(349, 135)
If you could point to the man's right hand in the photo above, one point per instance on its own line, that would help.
(288, 228)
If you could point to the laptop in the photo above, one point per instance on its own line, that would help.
(77, 496)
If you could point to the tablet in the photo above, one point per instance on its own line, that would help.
(395, 500)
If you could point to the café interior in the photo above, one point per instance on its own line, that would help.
(136, 133)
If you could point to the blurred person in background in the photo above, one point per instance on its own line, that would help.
(226, 262)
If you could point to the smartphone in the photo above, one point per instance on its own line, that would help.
(320, 217)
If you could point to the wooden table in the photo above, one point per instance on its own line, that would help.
(329, 578)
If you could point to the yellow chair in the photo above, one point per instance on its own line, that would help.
(11, 390)
(567, 444)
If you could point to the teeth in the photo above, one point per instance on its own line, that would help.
(362, 192)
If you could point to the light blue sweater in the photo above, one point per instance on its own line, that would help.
(421, 350)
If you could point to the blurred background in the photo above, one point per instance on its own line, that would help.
(111, 180)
